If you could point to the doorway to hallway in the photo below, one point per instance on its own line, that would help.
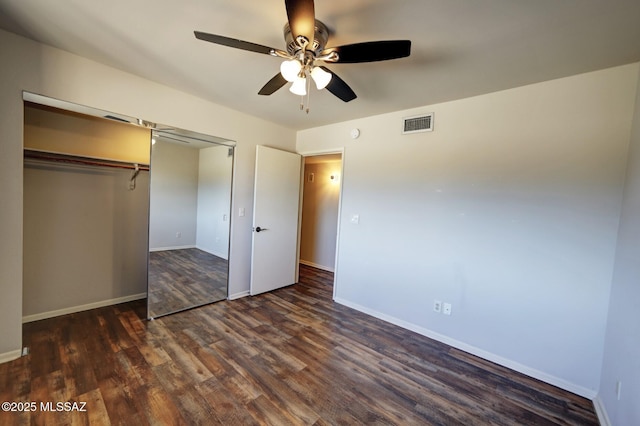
(320, 210)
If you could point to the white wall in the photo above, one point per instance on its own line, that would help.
(174, 196)
(30, 66)
(622, 344)
(509, 210)
(214, 195)
(320, 215)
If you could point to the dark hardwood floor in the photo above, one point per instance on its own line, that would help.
(182, 279)
(287, 357)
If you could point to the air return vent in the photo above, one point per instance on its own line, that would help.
(417, 123)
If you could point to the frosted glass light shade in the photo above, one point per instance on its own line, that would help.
(299, 86)
(290, 69)
(320, 77)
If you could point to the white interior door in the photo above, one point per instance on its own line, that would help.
(276, 202)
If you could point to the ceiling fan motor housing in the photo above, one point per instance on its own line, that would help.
(320, 38)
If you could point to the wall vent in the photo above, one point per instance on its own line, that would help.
(417, 123)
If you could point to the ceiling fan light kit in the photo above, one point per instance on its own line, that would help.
(320, 77)
(290, 69)
(299, 86)
(306, 39)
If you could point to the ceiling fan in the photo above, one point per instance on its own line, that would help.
(306, 40)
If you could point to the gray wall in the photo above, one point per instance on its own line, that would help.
(622, 344)
(85, 237)
(508, 210)
(174, 196)
(214, 195)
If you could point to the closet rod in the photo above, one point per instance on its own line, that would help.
(77, 159)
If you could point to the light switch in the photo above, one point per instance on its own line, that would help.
(355, 219)
(241, 211)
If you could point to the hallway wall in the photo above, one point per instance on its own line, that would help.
(320, 213)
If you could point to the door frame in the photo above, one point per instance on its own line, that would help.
(316, 153)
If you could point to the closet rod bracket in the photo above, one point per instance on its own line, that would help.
(134, 175)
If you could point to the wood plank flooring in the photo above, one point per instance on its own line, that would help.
(182, 279)
(287, 357)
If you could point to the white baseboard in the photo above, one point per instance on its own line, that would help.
(513, 365)
(315, 265)
(171, 248)
(10, 356)
(601, 411)
(80, 308)
(239, 295)
(213, 252)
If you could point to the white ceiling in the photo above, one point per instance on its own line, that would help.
(460, 48)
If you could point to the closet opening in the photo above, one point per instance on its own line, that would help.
(86, 190)
(91, 219)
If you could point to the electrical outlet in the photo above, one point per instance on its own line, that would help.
(437, 306)
(446, 308)
(178, 234)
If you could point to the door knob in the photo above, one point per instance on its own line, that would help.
(258, 229)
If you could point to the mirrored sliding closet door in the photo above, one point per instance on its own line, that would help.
(189, 220)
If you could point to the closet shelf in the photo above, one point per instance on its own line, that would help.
(30, 154)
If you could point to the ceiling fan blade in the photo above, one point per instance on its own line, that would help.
(370, 51)
(302, 19)
(339, 88)
(233, 42)
(273, 85)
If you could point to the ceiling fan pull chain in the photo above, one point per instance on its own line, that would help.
(308, 93)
